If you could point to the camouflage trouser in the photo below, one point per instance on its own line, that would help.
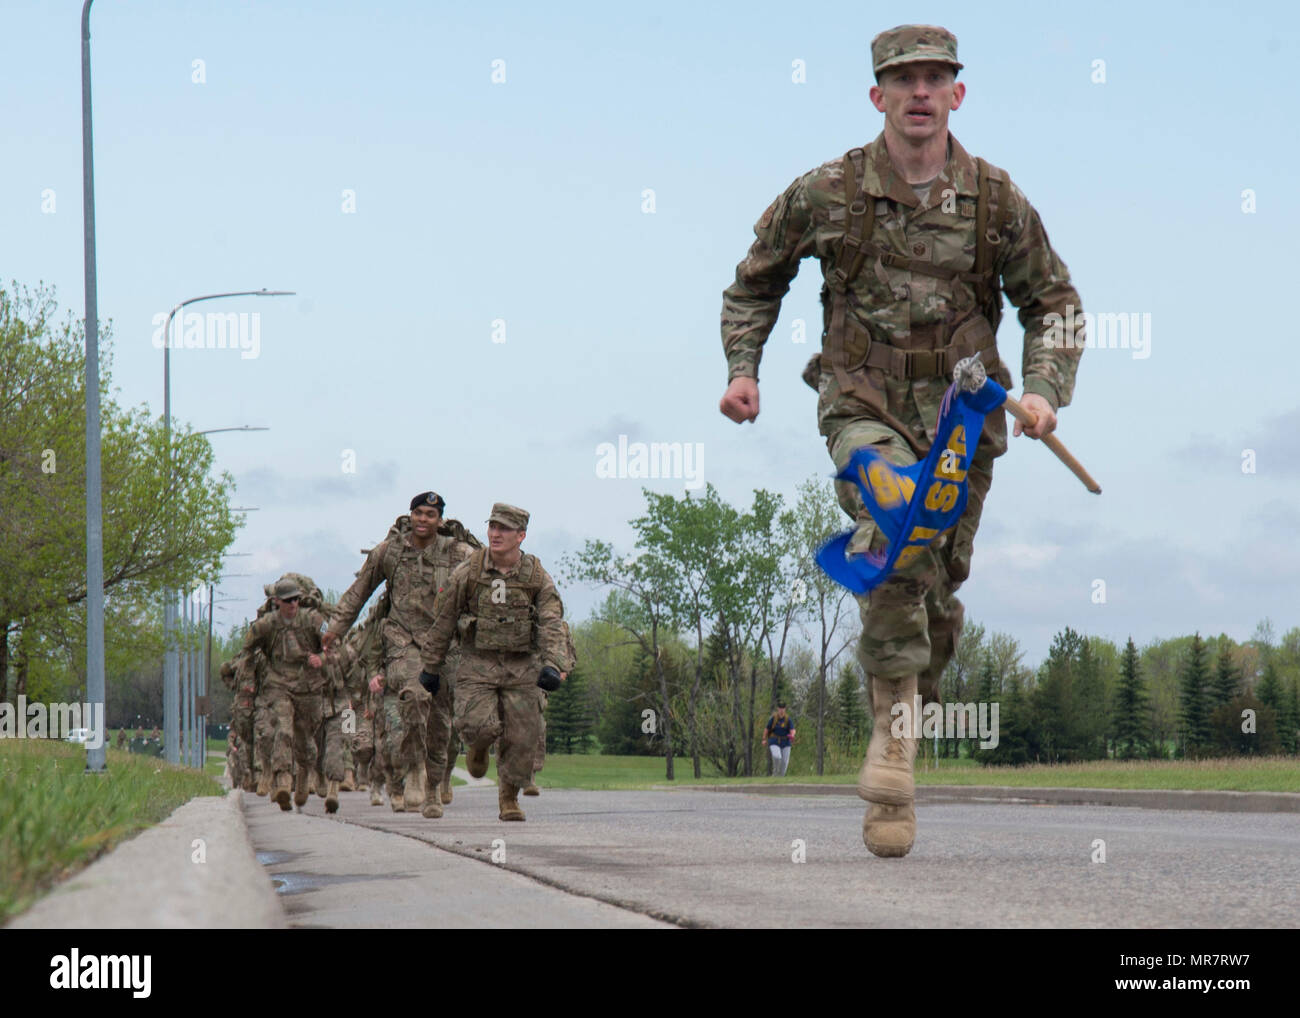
(234, 765)
(241, 725)
(496, 699)
(295, 718)
(405, 712)
(453, 746)
(329, 748)
(910, 623)
(543, 698)
(263, 732)
(439, 733)
(363, 741)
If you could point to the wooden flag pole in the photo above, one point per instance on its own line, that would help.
(1063, 454)
(970, 374)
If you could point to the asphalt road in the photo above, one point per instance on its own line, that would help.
(695, 858)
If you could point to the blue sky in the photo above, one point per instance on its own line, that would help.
(520, 202)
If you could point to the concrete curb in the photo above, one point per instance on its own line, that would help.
(1143, 798)
(162, 879)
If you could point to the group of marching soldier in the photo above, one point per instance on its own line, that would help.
(464, 643)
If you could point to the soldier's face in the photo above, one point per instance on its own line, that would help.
(503, 539)
(917, 98)
(425, 520)
(288, 608)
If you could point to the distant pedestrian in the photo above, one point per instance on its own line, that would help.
(779, 735)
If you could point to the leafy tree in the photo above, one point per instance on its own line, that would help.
(957, 683)
(166, 521)
(645, 612)
(828, 607)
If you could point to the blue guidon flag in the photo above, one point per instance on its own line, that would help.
(909, 523)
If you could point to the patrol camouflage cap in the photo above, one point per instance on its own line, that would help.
(286, 588)
(509, 516)
(909, 44)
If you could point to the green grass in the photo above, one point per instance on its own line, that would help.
(1271, 774)
(55, 819)
(1235, 774)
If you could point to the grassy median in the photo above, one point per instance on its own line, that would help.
(55, 818)
(1240, 774)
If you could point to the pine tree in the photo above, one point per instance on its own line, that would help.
(1269, 689)
(1295, 715)
(1227, 677)
(1014, 746)
(1288, 718)
(1054, 706)
(1193, 712)
(568, 717)
(1132, 731)
(851, 717)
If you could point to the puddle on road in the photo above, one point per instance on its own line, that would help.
(275, 858)
(297, 883)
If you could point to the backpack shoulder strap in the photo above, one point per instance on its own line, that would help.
(860, 219)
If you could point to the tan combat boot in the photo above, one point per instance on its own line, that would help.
(508, 801)
(432, 806)
(886, 775)
(300, 789)
(376, 799)
(264, 784)
(413, 792)
(889, 831)
(395, 797)
(349, 783)
(332, 797)
(532, 789)
(476, 760)
(444, 790)
(283, 791)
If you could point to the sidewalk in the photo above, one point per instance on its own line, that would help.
(194, 870)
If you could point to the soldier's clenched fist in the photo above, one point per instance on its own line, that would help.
(740, 401)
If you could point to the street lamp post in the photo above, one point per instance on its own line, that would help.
(171, 662)
(172, 693)
(96, 758)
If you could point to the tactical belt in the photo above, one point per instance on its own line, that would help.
(899, 363)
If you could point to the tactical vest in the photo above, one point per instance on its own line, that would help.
(292, 643)
(928, 351)
(502, 610)
(436, 556)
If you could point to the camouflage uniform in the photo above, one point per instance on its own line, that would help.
(914, 276)
(909, 622)
(411, 574)
(240, 679)
(292, 690)
(361, 658)
(332, 756)
(509, 624)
